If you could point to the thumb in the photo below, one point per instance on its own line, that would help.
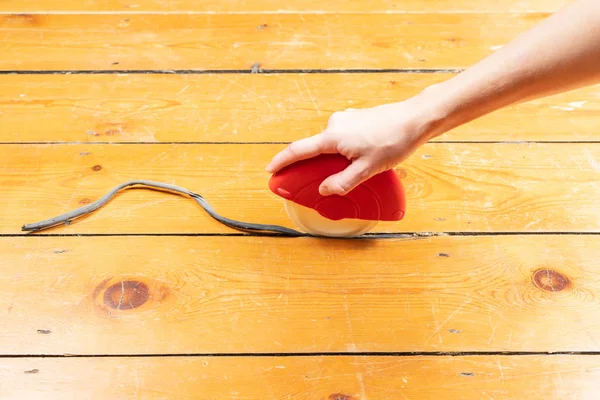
(344, 181)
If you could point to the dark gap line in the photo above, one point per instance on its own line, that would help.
(232, 71)
(287, 142)
(477, 233)
(138, 143)
(294, 11)
(315, 354)
(367, 236)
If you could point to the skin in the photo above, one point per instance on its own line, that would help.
(560, 54)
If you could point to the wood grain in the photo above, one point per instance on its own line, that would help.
(232, 41)
(327, 378)
(251, 108)
(181, 295)
(275, 6)
(450, 187)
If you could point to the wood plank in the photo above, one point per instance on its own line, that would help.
(232, 41)
(273, 295)
(327, 378)
(275, 6)
(251, 108)
(450, 187)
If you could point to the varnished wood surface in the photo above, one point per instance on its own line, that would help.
(223, 317)
(232, 41)
(449, 187)
(276, 6)
(167, 295)
(251, 108)
(305, 378)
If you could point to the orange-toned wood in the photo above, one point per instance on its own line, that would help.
(234, 41)
(276, 6)
(450, 187)
(305, 378)
(165, 295)
(250, 108)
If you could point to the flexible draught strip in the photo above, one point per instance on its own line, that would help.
(242, 226)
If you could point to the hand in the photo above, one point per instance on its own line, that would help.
(374, 139)
(536, 64)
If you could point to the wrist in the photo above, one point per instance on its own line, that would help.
(435, 112)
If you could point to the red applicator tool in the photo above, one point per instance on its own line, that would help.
(380, 198)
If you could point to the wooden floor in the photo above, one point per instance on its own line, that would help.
(488, 289)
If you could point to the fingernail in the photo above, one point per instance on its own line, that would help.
(324, 191)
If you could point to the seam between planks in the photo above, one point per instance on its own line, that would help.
(367, 236)
(287, 142)
(316, 354)
(232, 71)
(287, 12)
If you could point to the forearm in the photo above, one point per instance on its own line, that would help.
(560, 54)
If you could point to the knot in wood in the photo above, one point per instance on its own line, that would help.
(549, 280)
(126, 295)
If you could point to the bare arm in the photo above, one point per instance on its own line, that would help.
(560, 54)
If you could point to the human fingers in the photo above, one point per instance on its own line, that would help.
(302, 149)
(346, 180)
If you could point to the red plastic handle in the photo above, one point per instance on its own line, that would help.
(379, 198)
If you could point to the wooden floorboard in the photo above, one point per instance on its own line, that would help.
(251, 108)
(181, 295)
(289, 41)
(327, 378)
(449, 187)
(276, 6)
(488, 289)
